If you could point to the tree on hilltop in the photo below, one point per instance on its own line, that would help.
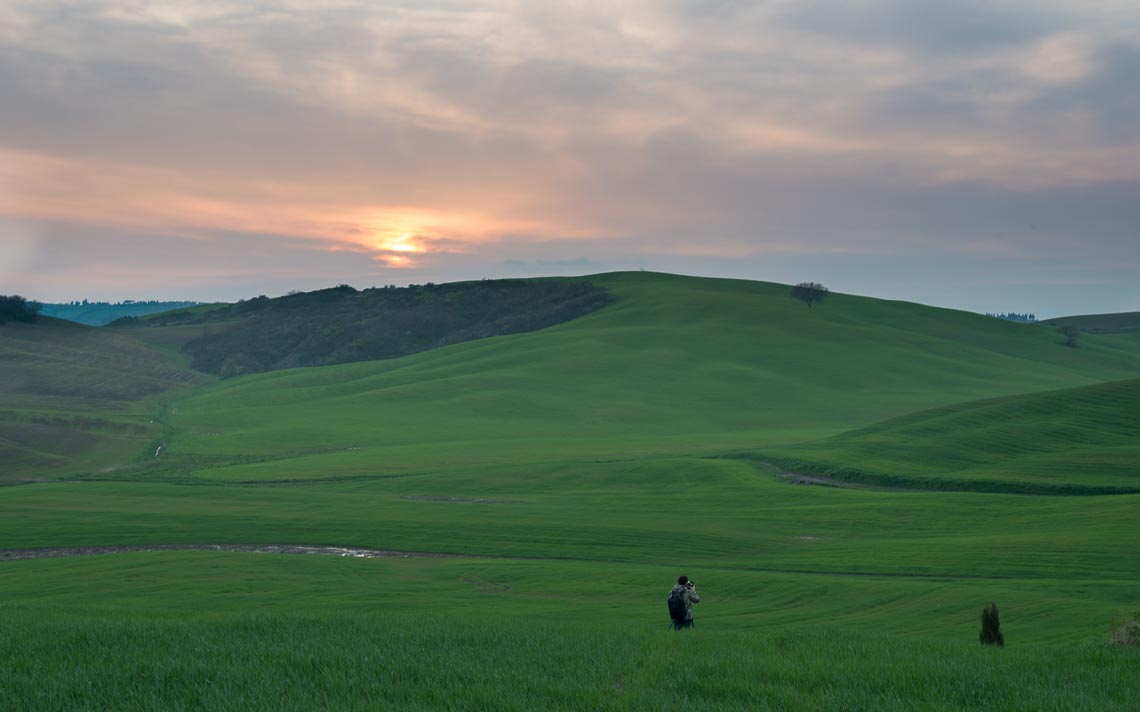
(809, 292)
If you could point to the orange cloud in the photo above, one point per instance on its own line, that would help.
(142, 198)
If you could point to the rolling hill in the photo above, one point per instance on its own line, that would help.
(671, 365)
(1075, 441)
(674, 364)
(1122, 322)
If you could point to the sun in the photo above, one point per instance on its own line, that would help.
(397, 241)
(402, 242)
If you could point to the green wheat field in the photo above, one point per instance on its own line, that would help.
(848, 485)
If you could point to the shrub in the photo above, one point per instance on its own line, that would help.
(1127, 632)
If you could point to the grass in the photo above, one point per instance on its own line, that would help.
(1077, 441)
(572, 474)
(263, 631)
(733, 516)
(350, 663)
(676, 365)
(1120, 322)
(77, 398)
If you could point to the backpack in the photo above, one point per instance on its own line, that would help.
(676, 603)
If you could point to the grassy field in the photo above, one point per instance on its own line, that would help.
(1075, 441)
(225, 631)
(564, 478)
(75, 398)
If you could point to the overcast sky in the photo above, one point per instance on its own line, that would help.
(976, 154)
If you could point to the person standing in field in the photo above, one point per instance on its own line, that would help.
(681, 600)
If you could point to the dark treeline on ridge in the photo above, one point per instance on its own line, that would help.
(341, 324)
(1026, 318)
(13, 307)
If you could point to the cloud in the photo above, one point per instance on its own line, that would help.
(937, 27)
(434, 135)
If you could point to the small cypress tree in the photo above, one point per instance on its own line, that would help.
(991, 628)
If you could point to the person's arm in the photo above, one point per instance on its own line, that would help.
(693, 595)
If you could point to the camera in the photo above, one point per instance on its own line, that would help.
(691, 584)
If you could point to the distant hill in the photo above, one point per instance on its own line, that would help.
(100, 313)
(1102, 323)
(342, 325)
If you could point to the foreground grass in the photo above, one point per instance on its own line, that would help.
(814, 598)
(489, 662)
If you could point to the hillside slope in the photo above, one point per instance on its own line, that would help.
(1122, 322)
(1076, 441)
(77, 398)
(675, 364)
(343, 325)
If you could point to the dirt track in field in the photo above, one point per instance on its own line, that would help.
(354, 552)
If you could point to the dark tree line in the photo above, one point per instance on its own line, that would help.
(1026, 318)
(341, 324)
(16, 308)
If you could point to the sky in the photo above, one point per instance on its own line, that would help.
(974, 154)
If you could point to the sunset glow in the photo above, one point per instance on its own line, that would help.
(426, 141)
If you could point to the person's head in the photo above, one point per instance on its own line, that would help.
(683, 580)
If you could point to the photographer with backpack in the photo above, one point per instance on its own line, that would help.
(681, 600)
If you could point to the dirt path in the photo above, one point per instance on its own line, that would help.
(363, 553)
(796, 478)
(355, 552)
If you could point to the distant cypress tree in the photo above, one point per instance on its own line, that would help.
(991, 628)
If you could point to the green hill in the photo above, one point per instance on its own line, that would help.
(675, 364)
(77, 398)
(1079, 441)
(671, 365)
(1122, 322)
